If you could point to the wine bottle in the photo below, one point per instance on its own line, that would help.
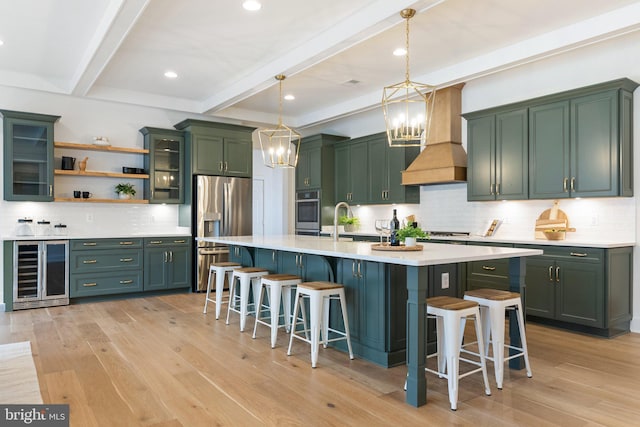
(394, 226)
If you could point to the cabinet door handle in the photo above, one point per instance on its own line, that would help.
(273, 257)
(580, 254)
(170, 256)
(50, 190)
(155, 242)
(220, 166)
(89, 244)
(126, 282)
(301, 263)
(488, 268)
(164, 256)
(498, 189)
(126, 243)
(573, 183)
(491, 189)
(564, 184)
(88, 285)
(353, 269)
(551, 273)
(557, 274)
(89, 261)
(359, 271)
(126, 259)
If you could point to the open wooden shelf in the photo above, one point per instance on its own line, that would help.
(101, 174)
(91, 200)
(93, 147)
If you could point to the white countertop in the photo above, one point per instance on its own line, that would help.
(570, 241)
(432, 254)
(98, 235)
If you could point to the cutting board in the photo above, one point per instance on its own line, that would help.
(552, 218)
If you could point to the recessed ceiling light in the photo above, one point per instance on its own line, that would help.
(170, 74)
(400, 51)
(251, 5)
(289, 97)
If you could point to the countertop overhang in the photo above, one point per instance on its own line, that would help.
(432, 254)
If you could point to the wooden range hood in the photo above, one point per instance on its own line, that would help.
(443, 160)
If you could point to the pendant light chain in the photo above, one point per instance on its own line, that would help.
(280, 100)
(407, 49)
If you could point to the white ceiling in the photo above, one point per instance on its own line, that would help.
(226, 58)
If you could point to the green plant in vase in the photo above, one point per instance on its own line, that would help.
(409, 234)
(351, 223)
(125, 190)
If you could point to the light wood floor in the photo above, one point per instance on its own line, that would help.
(159, 361)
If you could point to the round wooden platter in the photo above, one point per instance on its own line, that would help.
(401, 248)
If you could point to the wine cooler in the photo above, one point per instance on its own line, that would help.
(41, 273)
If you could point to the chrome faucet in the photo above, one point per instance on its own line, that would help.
(335, 217)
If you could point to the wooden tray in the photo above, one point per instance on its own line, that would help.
(402, 248)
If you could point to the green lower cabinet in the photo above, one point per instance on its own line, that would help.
(167, 263)
(241, 255)
(309, 267)
(492, 274)
(105, 283)
(267, 258)
(376, 310)
(587, 289)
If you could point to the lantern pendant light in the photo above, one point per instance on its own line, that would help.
(280, 146)
(408, 106)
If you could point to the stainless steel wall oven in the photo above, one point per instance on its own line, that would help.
(307, 212)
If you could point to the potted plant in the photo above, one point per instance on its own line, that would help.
(409, 234)
(350, 223)
(125, 190)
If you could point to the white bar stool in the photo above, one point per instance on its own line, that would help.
(245, 276)
(219, 270)
(493, 305)
(279, 287)
(449, 313)
(319, 294)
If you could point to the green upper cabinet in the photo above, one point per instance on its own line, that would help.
(368, 171)
(385, 172)
(549, 150)
(351, 160)
(571, 144)
(497, 156)
(217, 148)
(164, 165)
(315, 169)
(28, 156)
(581, 147)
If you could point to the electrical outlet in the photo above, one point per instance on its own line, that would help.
(89, 217)
(444, 281)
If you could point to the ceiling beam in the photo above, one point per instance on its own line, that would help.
(368, 22)
(119, 18)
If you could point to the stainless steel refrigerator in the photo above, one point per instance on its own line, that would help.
(222, 207)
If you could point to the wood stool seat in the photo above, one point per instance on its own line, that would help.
(449, 313)
(279, 287)
(248, 279)
(319, 294)
(493, 306)
(492, 294)
(219, 270)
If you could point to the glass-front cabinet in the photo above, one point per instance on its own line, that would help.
(28, 156)
(164, 163)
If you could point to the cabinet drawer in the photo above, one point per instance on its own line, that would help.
(105, 283)
(150, 242)
(110, 259)
(488, 274)
(106, 243)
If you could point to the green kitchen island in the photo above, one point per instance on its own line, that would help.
(326, 257)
